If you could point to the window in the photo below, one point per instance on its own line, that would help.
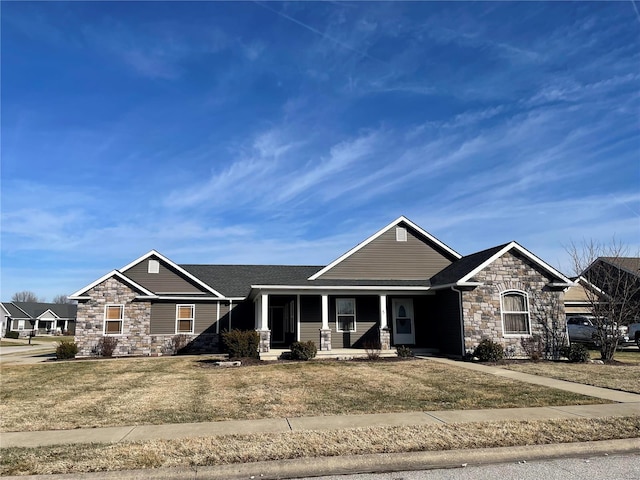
(20, 324)
(515, 313)
(113, 316)
(401, 234)
(346, 314)
(154, 266)
(184, 318)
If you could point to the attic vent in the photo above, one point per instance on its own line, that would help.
(401, 234)
(154, 266)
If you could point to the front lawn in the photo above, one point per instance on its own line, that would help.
(66, 395)
(624, 375)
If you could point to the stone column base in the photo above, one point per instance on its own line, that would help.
(265, 341)
(385, 339)
(325, 340)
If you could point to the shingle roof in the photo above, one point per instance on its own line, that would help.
(14, 311)
(464, 266)
(630, 264)
(34, 309)
(236, 280)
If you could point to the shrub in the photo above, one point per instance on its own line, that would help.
(107, 345)
(179, 344)
(241, 343)
(13, 335)
(489, 351)
(372, 348)
(303, 350)
(403, 352)
(66, 349)
(533, 346)
(576, 353)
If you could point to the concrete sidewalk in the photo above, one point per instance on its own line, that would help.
(295, 424)
(580, 388)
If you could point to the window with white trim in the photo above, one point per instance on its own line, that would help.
(184, 318)
(20, 324)
(401, 234)
(515, 313)
(113, 319)
(345, 314)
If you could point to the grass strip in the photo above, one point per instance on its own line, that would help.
(211, 451)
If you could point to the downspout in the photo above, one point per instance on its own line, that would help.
(464, 351)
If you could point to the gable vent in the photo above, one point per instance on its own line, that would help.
(401, 234)
(154, 266)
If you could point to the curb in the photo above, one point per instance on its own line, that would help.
(373, 463)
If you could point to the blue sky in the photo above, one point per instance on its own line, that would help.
(286, 133)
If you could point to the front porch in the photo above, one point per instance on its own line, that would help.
(342, 353)
(343, 321)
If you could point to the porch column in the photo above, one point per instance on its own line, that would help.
(325, 331)
(263, 323)
(385, 334)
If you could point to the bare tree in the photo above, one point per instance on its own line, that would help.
(615, 300)
(547, 311)
(62, 298)
(25, 296)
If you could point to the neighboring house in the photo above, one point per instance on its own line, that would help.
(42, 318)
(400, 286)
(607, 278)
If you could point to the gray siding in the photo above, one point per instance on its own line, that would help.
(367, 316)
(310, 318)
(387, 259)
(163, 319)
(166, 280)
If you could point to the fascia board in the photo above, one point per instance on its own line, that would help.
(523, 251)
(173, 265)
(113, 273)
(50, 311)
(376, 235)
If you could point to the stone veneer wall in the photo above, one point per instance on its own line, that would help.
(135, 338)
(481, 306)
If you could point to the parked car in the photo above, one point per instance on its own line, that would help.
(634, 333)
(582, 330)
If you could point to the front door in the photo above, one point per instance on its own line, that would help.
(403, 325)
(276, 324)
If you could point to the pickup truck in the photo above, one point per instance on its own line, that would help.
(582, 330)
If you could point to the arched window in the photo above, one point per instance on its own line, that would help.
(515, 313)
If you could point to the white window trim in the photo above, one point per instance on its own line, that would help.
(20, 325)
(355, 328)
(193, 318)
(503, 312)
(104, 324)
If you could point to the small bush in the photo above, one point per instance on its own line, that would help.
(106, 346)
(403, 352)
(576, 353)
(66, 349)
(179, 344)
(303, 350)
(533, 346)
(489, 351)
(13, 335)
(241, 343)
(373, 349)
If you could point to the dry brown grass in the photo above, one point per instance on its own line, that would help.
(209, 451)
(69, 395)
(621, 376)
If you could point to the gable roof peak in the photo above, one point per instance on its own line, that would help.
(400, 219)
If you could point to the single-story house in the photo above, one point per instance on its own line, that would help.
(400, 286)
(41, 318)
